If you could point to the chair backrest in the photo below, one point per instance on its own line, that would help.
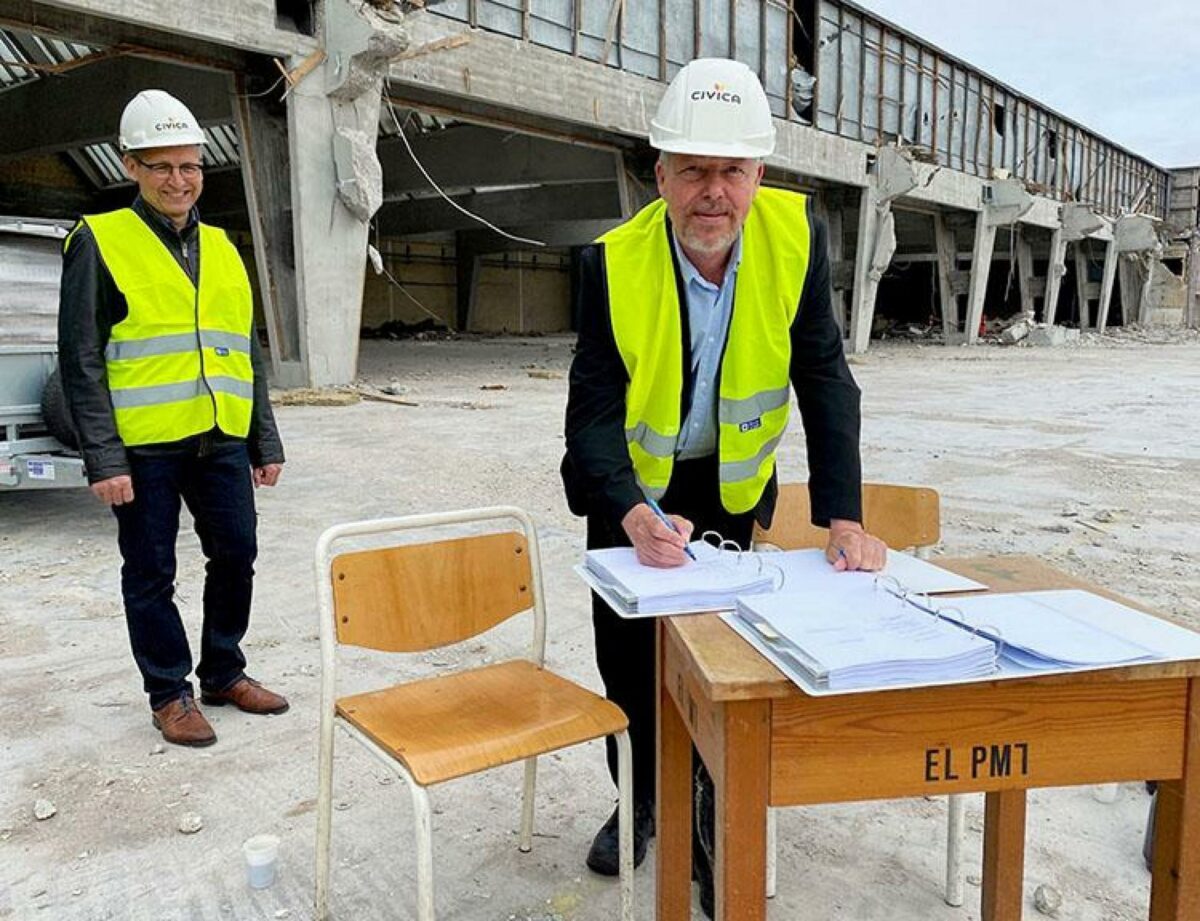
(415, 596)
(900, 516)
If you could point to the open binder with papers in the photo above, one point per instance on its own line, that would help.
(883, 636)
(722, 572)
(709, 583)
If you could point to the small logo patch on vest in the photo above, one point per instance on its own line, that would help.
(221, 351)
(751, 425)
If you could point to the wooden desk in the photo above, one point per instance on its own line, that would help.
(766, 742)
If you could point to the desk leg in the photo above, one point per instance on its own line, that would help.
(673, 860)
(742, 786)
(1003, 855)
(1175, 886)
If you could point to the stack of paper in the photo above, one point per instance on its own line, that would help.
(709, 583)
(867, 638)
(1065, 628)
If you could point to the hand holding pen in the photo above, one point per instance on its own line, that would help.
(659, 539)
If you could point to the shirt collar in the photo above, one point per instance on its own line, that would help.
(142, 207)
(692, 275)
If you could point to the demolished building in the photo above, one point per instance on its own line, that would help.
(346, 136)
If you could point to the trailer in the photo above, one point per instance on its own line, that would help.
(35, 438)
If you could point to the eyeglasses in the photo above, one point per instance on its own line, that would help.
(164, 170)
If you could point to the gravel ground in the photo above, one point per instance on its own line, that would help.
(1086, 456)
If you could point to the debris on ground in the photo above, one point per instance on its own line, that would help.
(308, 396)
(190, 823)
(44, 809)
(1047, 899)
(397, 329)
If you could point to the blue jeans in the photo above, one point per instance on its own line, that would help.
(211, 474)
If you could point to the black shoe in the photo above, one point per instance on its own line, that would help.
(605, 854)
(702, 874)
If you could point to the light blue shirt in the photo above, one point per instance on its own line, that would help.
(709, 310)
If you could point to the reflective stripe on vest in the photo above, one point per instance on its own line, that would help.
(179, 363)
(753, 396)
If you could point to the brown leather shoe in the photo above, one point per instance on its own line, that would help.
(247, 694)
(182, 723)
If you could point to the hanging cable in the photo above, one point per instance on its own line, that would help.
(438, 189)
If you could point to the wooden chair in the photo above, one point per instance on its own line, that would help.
(408, 597)
(904, 518)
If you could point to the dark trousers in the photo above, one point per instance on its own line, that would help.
(625, 648)
(212, 476)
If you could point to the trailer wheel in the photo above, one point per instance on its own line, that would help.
(55, 413)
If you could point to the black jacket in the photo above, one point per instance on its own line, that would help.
(90, 305)
(597, 472)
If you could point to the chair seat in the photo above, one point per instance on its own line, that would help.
(452, 725)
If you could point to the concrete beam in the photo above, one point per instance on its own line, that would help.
(86, 103)
(246, 24)
(561, 234)
(1136, 233)
(1080, 221)
(473, 155)
(538, 205)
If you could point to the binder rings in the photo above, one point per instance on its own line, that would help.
(885, 636)
(719, 573)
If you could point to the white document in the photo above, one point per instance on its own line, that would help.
(1071, 627)
(868, 637)
(708, 583)
(809, 571)
(1032, 633)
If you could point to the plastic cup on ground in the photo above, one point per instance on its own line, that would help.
(262, 854)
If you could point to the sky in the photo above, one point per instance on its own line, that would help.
(1130, 71)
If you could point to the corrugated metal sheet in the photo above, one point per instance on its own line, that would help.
(104, 160)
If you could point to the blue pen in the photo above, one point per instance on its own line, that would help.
(662, 516)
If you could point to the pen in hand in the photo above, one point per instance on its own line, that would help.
(662, 516)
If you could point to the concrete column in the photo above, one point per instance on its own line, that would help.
(876, 243)
(1129, 277)
(947, 263)
(1081, 285)
(467, 261)
(1055, 271)
(337, 183)
(1191, 313)
(981, 267)
(837, 253)
(1111, 255)
(262, 129)
(893, 175)
(1024, 257)
(330, 242)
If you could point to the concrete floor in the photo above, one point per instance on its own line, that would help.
(1086, 456)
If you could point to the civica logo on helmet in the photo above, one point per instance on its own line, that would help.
(171, 125)
(717, 93)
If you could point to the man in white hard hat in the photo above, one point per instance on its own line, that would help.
(168, 394)
(695, 315)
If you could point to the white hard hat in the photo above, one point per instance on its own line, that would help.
(714, 107)
(154, 118)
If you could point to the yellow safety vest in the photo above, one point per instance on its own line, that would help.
(179, 363)
(753, 397)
